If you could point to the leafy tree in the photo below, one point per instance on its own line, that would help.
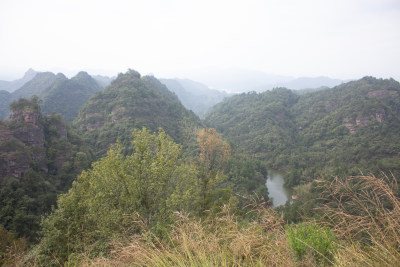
(214, 154)
(105, 201)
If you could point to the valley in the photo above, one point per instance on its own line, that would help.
(78, 155)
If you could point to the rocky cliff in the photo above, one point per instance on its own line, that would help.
(22, 143)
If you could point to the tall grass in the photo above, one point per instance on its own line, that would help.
(365, 213)
(221, 241)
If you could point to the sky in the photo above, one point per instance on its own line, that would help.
(345, 39)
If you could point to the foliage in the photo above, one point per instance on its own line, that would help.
(223, 240)
(67, 96)
(50, 171)
(214, 154)
(306, 135)
(246, 176)
(104, 202)
(258, 239)
(131, 102)
(58, 93)
(12, 249)
(32, 104)
(365, 212)
(310, 239)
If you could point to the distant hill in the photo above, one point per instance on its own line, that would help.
(59, 94)
(103, 81)
(193, 95)
(337, 131)
(67, 96)
(16, 84)
(131, 102)
(5, 100)
(310, 83)
(238, 80)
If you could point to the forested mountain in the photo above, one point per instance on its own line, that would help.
(16, 84)
(330, 132)
(59, 94)
(310, 83)
(103, 81)
(193, 95)
(5, 100)
(131, 102)
(40, 157)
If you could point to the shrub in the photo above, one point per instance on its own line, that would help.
(309, 239)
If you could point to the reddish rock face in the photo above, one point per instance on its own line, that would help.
(17, 161)
(30, 135)
(363, 121)
(5, 133)
(27, 116)
(14, 164)
(382, 94)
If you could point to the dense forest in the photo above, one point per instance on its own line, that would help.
(58, 93)
(134, 178)
(329, 132)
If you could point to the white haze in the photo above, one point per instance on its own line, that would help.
(343, 39)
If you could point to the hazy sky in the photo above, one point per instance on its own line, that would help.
(336, 38)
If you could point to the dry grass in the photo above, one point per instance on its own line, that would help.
(222, 241)
(365, 213)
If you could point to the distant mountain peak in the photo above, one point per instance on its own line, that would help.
(30, 73)
(61, 75)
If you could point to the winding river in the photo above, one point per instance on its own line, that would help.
(277, 190)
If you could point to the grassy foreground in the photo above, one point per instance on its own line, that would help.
(360, 226)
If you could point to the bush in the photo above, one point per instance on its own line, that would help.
(309, 239)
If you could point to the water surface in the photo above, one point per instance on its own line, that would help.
(278, 192)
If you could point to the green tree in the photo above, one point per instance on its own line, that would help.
(214, 154)
(104, 202)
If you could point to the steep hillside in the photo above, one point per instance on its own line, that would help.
(103, 81)
(193, 95)
(130, 102)
(5, 100)
(39, 158)
(333, 131)
(11, 86)
(40, 85)
(259, 123)
(67, 96)
(58, 93)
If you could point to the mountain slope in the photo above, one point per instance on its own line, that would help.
(310, 83)
(39, 158)
(130, 102)
(193, 95)
(67, 96)
(59, 94)
(5, 100)
(333, 131)
(16, 84)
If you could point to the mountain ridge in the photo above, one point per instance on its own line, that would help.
(353, 125)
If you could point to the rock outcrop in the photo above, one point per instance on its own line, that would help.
(22, 144)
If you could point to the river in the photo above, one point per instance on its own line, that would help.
(278, 192)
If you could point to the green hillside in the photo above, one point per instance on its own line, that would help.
(5, 100)
(194, 96)
(58, 93)
(40, 156)
(131, 102)
(334, 131)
